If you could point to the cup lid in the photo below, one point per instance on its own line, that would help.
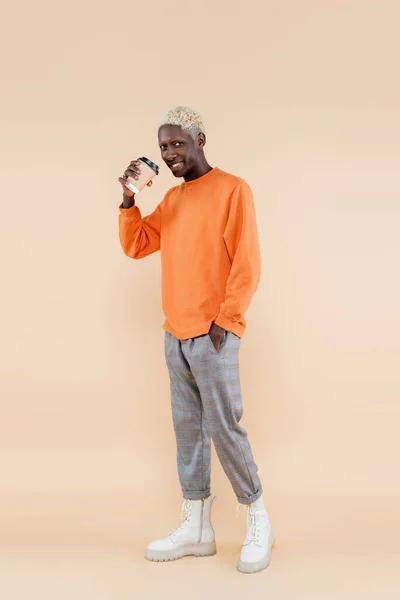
(152, 165)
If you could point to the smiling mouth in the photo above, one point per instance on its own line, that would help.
(175, 165)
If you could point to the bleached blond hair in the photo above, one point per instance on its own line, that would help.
(186, 118)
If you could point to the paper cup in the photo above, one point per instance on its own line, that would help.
(148, 171)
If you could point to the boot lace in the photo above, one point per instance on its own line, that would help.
(185, 513)
(253, 524)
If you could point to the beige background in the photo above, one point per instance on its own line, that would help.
(301, 98)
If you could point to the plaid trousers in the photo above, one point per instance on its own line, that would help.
(206, 404)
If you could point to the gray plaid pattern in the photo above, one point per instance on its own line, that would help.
(206, 403)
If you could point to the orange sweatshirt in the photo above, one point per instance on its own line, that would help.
(210, 259)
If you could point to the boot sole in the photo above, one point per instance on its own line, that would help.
(256, 566)
(208, 549)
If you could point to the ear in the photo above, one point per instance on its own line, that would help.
(201, 140)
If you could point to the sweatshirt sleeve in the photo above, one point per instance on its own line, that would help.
(139, 236)
(241, 240)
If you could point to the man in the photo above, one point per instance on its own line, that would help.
(206, 231)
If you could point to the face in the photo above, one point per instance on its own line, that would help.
(179, 150)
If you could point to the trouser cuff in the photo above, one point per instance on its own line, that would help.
(195, 494)
(250, 499)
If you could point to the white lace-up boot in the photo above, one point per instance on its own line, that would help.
(194, 536)
(256, 551)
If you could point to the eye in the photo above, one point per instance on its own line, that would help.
(178, 144)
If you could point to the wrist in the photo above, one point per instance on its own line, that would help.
(128, 202)
(218, 328)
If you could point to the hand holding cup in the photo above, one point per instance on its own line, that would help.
(138, 175)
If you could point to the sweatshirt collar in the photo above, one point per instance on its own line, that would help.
(200, 180)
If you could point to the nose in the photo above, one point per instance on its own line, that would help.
(170, 155)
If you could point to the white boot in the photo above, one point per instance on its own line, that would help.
(194, 536)
(256, 551)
